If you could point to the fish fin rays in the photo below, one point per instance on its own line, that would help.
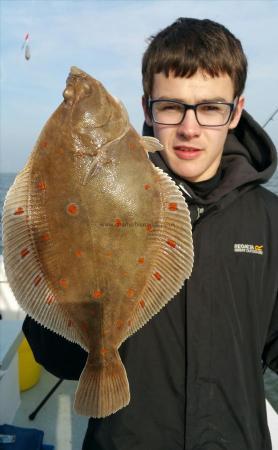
(22, 265)
(172, 249)
(102, 389)
(151, 144)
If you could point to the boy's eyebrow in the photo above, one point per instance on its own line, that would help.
(212, 99)
(215, 99)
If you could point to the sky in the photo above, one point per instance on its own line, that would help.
(107, 38)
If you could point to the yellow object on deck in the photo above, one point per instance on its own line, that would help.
(29, 370)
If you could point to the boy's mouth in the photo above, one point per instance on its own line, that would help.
(186, 152)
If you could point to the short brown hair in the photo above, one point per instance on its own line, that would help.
(191, 44)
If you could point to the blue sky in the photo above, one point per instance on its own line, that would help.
(107, 38)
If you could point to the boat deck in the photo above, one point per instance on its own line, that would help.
(62, 427)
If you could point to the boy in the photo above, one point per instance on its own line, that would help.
(195, 370)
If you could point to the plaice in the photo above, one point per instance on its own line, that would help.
(96, 239)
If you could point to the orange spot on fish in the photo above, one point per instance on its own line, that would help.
(44, 144)
(69, 323)
(19, 211)
(141, 260)
(50, 299)
(171, 243)
(118, 223)
(103, 351)
(147, 186)
(97, 294)
(157, 276)
(142, 303)
(130, 293)
(129, 323)
(24, 252)
(108, 254)
(78, 253)
(45, 237)
(72, 209)
(149, 227)
(37, 280)
(172, 206)
(119, 324)
(41, 186)
(63, 282)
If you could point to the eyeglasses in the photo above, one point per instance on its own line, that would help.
(208, 114)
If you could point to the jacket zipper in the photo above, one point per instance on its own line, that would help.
(200, 211)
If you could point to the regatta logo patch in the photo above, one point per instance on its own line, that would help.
(249, 248)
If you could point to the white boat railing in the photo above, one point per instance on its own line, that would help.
(9, 308)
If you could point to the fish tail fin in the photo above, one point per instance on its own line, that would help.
(102, 390)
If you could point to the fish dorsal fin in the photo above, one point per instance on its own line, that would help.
(22, 264)
(151, 144)
(172, 252)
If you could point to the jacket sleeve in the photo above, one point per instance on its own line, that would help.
(56, 354)
(270, 353)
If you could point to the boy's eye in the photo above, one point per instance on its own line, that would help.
(168, 107)
(211, 108)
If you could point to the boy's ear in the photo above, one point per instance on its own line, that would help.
(237, 113)
(148, 119)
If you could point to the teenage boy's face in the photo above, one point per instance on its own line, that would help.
(192, 151)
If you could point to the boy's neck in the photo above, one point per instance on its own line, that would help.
(203, 188)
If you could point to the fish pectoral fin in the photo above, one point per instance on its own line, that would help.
(93, 170)
(151, 144)
(95, 166)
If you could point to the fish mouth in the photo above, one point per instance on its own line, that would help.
(76, 72)
(77, 86)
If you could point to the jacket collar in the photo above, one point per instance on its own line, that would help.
(249, 159)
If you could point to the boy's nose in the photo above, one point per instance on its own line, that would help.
(189, 127)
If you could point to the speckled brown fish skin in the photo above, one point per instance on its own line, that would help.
(100, 231)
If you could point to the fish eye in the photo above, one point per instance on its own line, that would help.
(86, 88)
(68, 93)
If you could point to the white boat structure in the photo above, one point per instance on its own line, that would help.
(62, 427)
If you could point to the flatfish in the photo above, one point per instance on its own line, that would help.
(96, 239)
